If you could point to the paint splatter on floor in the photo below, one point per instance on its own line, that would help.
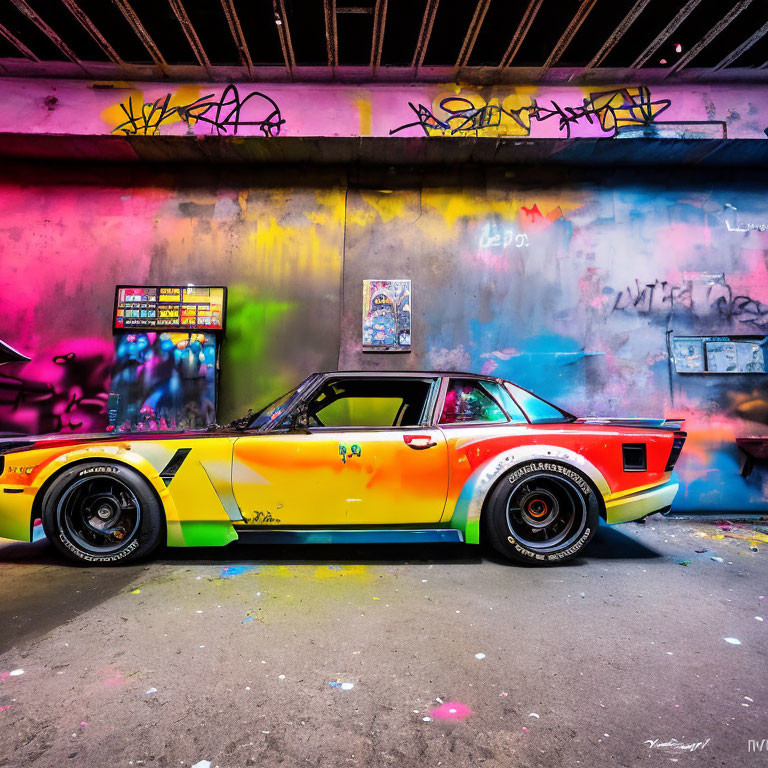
(342, 686)
(451, 710)
(230, 571)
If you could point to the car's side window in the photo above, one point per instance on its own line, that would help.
(369, 402)
(360, 411)
(515, 413)
(538, 411)
(466, 401)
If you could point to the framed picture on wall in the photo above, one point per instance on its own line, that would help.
(688, 353)
(719, 354)
(386, 315)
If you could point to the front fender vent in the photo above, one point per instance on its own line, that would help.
(173, 466)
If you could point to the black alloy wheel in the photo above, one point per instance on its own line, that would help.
(102, 513)
(542, 513)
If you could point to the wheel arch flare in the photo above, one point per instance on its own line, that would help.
(470, 504)
(190, 478)
(109, 454)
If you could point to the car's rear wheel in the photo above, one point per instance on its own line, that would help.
(542, 513)
(102, 513)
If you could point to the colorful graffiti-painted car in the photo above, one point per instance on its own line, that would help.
(349, 457)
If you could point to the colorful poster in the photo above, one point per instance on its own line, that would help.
(386, 315)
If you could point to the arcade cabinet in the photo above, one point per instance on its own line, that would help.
(167, 345)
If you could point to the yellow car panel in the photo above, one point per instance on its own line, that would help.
(346, 477)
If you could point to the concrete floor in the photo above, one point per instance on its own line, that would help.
(226, 655)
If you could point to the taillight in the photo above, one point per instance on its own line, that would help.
(674, 454)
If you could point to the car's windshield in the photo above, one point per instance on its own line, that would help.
(272, 412)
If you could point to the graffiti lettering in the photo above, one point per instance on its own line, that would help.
(347, 453)
(612, 110)
(228, 111)
(661, 296)
(652, 296)
(502, 237)
(76, 399)
(462, 116)
(263, 517)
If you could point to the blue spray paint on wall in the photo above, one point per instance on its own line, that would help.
(570, 283)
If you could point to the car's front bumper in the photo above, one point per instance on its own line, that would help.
(637, 504)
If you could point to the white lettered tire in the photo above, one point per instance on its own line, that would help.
(542, 513)
(102, 513)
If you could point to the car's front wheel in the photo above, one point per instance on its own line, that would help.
(542, 513)
(102, 513)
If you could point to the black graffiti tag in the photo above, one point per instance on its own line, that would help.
(227, 112)
(611, 109)
(661, 296)
(462, 116)
(78, 396)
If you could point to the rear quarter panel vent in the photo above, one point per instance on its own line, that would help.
(635, 457)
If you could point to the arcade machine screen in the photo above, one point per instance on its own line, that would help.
(167, 342)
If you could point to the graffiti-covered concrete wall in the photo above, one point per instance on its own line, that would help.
(569, 285)
(562, 280)
(274, 110)
(68, 237)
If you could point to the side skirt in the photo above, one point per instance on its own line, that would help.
(346, 536)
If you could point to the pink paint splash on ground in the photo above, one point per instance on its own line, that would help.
(112, 678)
(451, 710)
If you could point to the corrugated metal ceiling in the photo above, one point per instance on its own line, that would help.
(480, 41)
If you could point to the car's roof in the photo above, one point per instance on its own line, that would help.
(411, 374)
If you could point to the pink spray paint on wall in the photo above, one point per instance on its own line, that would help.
(62, 392)
(272, 110)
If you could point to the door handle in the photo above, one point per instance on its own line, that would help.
(419, 442)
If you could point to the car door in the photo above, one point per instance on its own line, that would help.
(366, 456)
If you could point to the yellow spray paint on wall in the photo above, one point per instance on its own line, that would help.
(452, 206)
(469, 113)
(363, 105)
(136, 104)
(392, 204)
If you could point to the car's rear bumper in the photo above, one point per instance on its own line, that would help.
(633, 506)
(16, 512)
